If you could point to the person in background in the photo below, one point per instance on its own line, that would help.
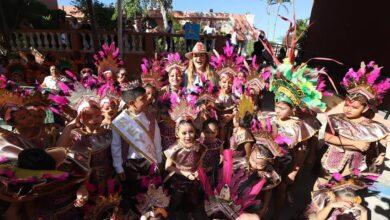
(209, 30)
(51, 82)
(74, 24)
(170, 41)
(233, 39)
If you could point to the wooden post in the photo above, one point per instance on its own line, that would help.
(93, 25)
(5, 29)
(120, 26)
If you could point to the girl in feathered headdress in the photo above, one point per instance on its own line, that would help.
(169, 96)
(151, 76)
(228, 67)
(184, 162)
(296, 89)
(268, 147)
(338, 198)
(356, 142)
(86, 131)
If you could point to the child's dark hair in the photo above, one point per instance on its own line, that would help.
(132, 94)
(155, 91)
(370, 112)
(209, 121)
(36, 159)
(183, 122)
(246, 121)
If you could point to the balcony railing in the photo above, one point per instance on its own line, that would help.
(81, 40)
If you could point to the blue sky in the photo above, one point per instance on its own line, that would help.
(259, 8)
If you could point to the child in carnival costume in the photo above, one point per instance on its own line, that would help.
(108, 63)
(152, 80)
(135, 147)
(169, 96)
(269, 145)
(296, 90)
(87, 132)
(214, 147)
(184, 164)
(339, 197)
(356, 142)
(228, 67)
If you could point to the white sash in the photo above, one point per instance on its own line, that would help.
(132, 131)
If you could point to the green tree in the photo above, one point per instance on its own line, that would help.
(301, 33)
(31, 11)
(132, 8)
(103, 13)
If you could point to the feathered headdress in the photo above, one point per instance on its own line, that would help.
(81, 96)
(108, 59)
(199, 94)
(363, 82)
(152, 72)
(183, 110)
(153, 198)
(233, 194)
(267, 136)
(355, 181)
(11, 101)
(227, 64)
(297, 86)
(20, 99)
(245, 106)
(173, 60)
(256, 80)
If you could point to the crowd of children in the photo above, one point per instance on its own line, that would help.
(190, 140)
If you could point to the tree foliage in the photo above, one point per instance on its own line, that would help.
(132, 8)
(103, 13)
(32, 12)
(302, 27)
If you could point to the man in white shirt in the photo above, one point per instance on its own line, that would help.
(51, 82)
(129, 152)
(209, 30)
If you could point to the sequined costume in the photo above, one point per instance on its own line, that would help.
(322, 198)
(212, 155)
(337, 159)
(186, 195)
(238, 140)
(298, 130)
(101, 160)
